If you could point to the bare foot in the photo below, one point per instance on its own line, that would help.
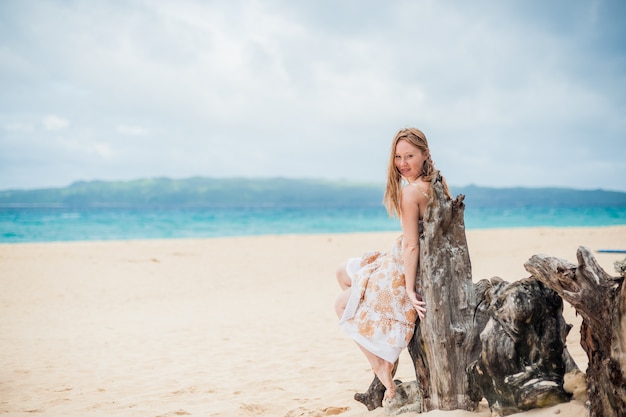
(383, 370)
(389, 394)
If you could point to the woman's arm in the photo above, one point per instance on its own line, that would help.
(409, 205)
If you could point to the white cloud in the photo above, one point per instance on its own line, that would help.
(19, 127)
(132, 130)
(52, 122)
(103, 150)
(84, 146)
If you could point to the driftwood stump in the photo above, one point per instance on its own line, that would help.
(524, 358)
(447, 344)
(601, 301)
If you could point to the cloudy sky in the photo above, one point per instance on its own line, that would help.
(509, 93)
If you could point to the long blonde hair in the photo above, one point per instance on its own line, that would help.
(415, 137)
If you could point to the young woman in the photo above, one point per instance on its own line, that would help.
(378, 304)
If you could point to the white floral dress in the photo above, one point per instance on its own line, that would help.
(379, 315)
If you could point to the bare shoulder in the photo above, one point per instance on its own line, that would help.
(410, 194)
(417, 192)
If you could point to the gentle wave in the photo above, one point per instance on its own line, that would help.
(41, 224)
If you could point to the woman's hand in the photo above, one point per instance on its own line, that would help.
(418, 304)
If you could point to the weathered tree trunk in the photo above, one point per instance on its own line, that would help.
(601, 301)
(523, 359)
(445, 341)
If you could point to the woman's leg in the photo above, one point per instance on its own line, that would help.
(345, 283)
(381, 367)
(383, 370)
(343, 278)
(342, 302)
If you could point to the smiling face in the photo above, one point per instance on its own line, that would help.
(409, 160)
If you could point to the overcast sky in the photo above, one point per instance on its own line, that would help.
(509, 93)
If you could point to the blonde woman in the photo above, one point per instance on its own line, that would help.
(378, 305)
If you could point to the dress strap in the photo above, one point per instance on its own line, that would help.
(420, 190)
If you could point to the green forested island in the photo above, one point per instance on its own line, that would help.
(241, 192)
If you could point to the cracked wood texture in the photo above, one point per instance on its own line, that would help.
(524, 358)
(446, 340)
(601, 301)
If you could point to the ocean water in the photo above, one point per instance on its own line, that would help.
(50, 224)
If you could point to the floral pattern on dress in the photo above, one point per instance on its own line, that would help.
(380, 310)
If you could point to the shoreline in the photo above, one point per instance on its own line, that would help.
(330, 234)
(233, 326)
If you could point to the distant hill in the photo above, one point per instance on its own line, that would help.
(198, 192)
(539, 197)
(242, 192)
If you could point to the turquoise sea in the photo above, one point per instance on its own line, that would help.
(49, 224)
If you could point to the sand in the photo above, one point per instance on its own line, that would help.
(216, 327)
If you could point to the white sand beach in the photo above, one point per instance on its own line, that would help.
(217, 327)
